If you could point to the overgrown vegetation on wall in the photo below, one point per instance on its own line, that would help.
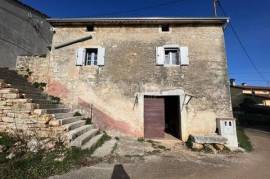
(41, 163)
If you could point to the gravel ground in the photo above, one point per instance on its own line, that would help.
(181, 163)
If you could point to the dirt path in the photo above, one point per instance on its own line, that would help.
(184, 164)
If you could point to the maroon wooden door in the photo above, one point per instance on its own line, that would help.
(154, 117)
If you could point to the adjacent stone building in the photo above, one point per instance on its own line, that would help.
(23, 31)
(139, 76)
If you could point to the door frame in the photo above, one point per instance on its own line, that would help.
(173, 92)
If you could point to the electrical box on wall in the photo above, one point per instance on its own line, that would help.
(227, 128)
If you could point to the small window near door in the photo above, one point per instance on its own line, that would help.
(171, 56)
(91, 56)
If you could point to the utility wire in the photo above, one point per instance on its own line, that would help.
(243, 46)
(168, 3)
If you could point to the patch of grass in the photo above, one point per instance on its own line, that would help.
(40, 85)
(54, 99)
(243, 140)
(6, 142)
(77, 114)
(117, 138)
(44, 163)
(140, 139)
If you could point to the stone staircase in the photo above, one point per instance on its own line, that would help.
(15, 88)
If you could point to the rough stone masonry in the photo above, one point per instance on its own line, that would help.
(113, 93)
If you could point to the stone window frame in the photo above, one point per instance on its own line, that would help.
(172, 46)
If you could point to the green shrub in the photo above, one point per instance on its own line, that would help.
(77, 114)
(243, 140)
(54, 99)
(88, 120)
(140, 139)
(40, 85)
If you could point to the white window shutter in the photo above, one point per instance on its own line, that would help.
(184, 59)
(160, 55)
(80, 56)
(101, 56)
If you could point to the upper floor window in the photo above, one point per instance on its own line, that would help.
(172, 55)
(90, 56)
(90, 28)
(165, 28)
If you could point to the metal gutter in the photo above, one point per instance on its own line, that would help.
(138, 20)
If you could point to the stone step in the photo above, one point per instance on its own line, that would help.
(42, 101)
(30, 91)
(79, 131)
(70, 120)
(11, 95)
(63, 115)
(82, 139)
(8, 90)
(92, 143)
(26, 88)
(74, 125)
(57, 110)
(52, 111)
(35, 96)
(50, 106)
(106, 149)
(14, 79)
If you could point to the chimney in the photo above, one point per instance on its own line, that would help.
(232, 82)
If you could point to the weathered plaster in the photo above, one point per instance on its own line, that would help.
(130, 69)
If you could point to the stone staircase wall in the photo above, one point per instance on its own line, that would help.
(19, 114)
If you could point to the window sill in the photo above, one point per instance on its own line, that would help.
(171, 65)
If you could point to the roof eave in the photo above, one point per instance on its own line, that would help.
(137, 20)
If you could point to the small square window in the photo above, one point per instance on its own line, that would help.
(172, 56)
(91, 56)
(165, 28)
(90, 28)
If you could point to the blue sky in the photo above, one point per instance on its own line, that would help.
(250, 18)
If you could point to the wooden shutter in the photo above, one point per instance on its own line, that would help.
(101, 55)
(160, 55)
(80, 56)
(184, 56)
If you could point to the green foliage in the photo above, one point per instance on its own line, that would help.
(44, 163)
(77, 114)
(54, 99)
(243, 140)
(29, 72)
(88, 120)
(7, 142)
(40, 85)
(140, 139)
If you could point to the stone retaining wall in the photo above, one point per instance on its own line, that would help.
(17, 114)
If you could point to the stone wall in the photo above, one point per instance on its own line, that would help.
(130, 70)
(17, 115)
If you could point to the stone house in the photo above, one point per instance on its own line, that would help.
(23, 31)
(139, 76)
(258, 94)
